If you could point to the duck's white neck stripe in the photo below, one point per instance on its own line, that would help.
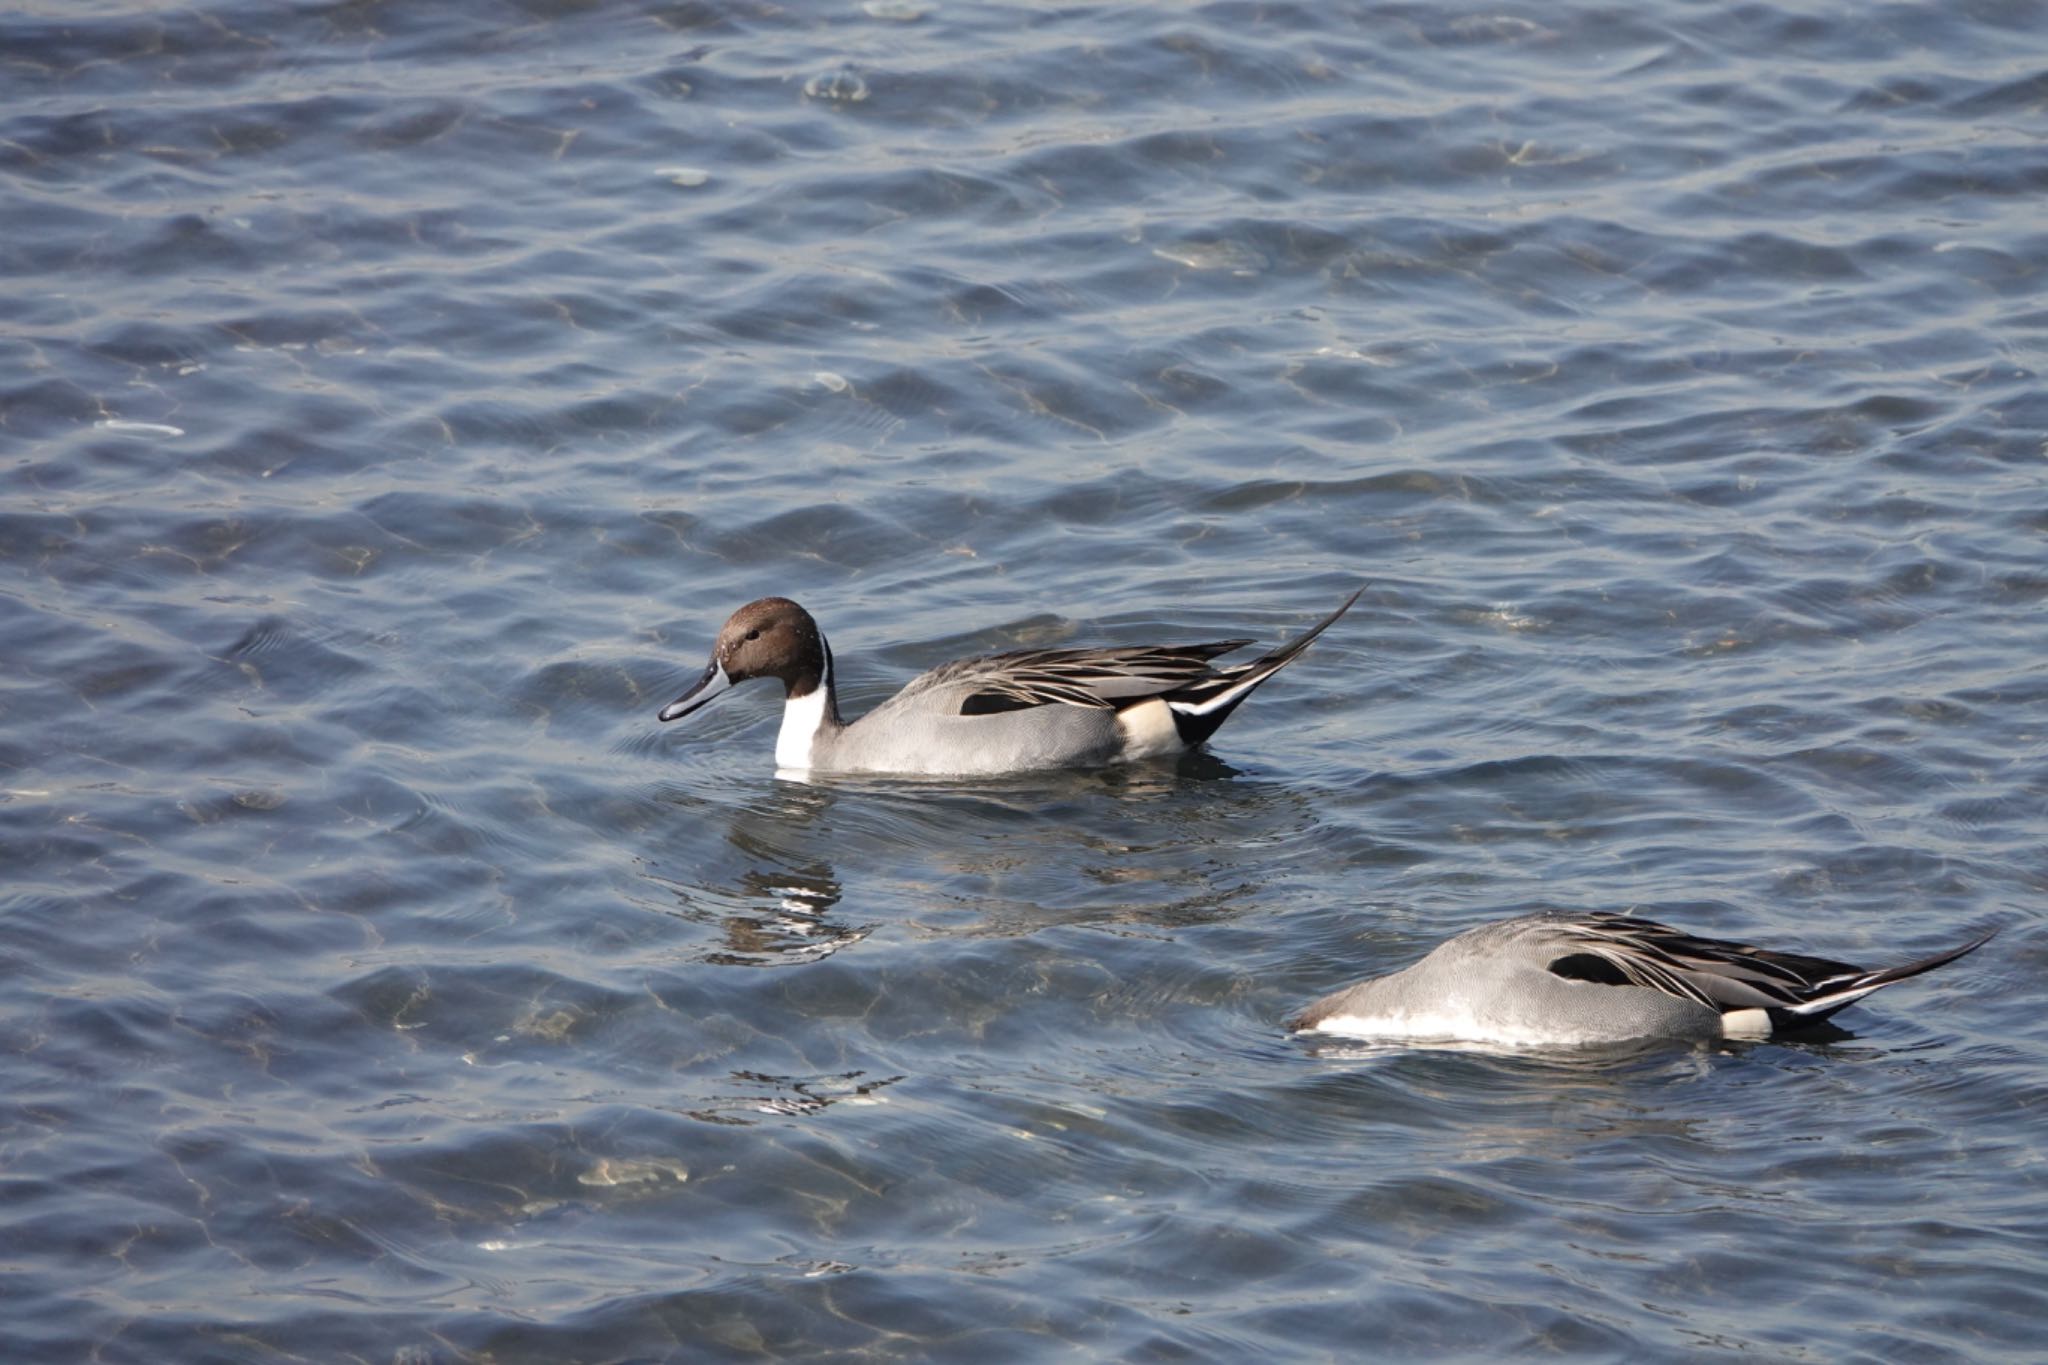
(803, 717)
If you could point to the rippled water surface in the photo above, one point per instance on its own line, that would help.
(394, 399)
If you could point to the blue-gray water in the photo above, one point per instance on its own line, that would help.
(394, 398)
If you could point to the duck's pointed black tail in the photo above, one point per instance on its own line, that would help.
(1846, 990)
(1199, 710)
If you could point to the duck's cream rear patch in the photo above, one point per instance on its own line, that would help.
(1148, 730)
(1746, 1024)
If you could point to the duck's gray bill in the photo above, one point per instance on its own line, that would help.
(708, 687)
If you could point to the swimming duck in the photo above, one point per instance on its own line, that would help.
(1557, 979)
(1020, 711)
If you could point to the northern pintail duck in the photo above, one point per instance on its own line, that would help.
(1000, 713)
(1553, 980)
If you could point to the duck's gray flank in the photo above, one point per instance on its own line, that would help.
(1560, 979)
(1010, 712)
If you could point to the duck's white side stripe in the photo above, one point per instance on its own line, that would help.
(1228, 697)
(1417, 1026)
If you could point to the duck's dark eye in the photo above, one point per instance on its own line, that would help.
(753, 635)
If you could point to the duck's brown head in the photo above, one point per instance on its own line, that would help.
(770, 638)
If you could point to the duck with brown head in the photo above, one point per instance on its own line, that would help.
(773, 637)
(1000, 713)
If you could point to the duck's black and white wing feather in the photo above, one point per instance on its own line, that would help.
(1072, 677)
(1116, 677)
(1794, 989)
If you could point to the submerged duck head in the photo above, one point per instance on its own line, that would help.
(770, 638)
